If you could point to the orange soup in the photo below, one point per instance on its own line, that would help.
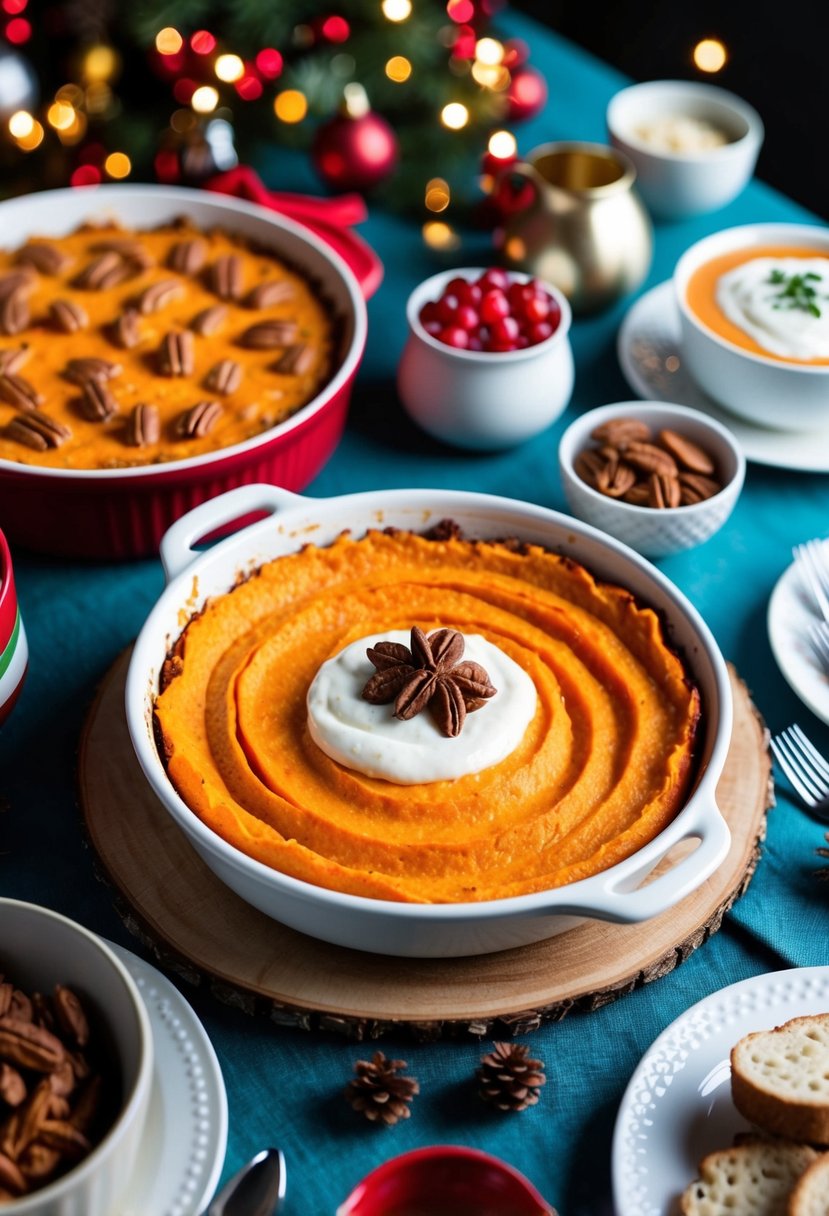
(701, 295)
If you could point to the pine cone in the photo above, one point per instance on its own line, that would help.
(379, 1091)
(509, 1079)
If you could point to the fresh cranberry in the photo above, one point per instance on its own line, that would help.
(494, 277)
(554, 311)
(505, 329)
(471, 294)
(494, 305)
(447, 309)
(539, 332)
(456, 287)
(536, 309)
(432, 327)
(429, 312)
(453, 335)
(466, 316)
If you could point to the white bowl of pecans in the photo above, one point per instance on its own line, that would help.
(657, 476)
(76, 1063)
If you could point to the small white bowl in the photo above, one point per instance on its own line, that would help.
(484, 400)
(767, 391)
(39, 948)
(678, 184)
(650, 531)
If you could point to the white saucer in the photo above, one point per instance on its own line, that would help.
(677, 1106)
(791, 612)
(183, 1148)
(649, 351)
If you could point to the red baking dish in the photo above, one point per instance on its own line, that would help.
(123, 513)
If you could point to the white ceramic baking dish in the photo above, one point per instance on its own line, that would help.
(430, 930)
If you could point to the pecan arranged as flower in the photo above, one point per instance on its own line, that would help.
(429, 675)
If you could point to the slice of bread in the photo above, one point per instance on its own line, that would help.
(810, 1196)
(751, 1179)
(780, 1079)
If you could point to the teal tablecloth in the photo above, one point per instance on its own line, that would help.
(284, 1087)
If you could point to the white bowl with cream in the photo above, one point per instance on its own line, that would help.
(694, 145)
(754, 337)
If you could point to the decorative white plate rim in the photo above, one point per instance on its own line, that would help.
(649, 337)
(791, 611)
(677, 1106)
(182, 1151)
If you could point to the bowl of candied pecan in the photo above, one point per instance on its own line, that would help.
(659, 477)
(159, 346)
(76, 1064)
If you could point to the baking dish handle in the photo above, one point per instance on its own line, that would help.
(624, 901)
(178, 543)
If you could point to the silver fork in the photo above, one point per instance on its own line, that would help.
(805, 768)
(819, 637)
(812, 563)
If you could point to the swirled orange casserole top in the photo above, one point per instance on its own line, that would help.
(602, 766)
(121, 347)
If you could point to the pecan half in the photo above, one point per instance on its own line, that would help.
(649, 458)
(143, 426)
(67, 1140)
(129, 248)
(97, 403)
(68, 316)
(188, 257)
(6, 990)
(615, 479)
(18, 391)
(106, 270)
(16, 280)
(159, 295)
(297, 360)
(638, 495)
(32, 1113)
(225, 276)
(13, 358)
(267, 335)
(210, 320)
(621, 431)
(588, 464)
(28, 1046)
(81, 370)
(224, 377)
(265, 295)
(70, 1014)
(38, 431)
(125, 331)
(12, 1086)
(45, 258)
(197, 422)
(14, 313)
(11, 1179)
(686, 453)
(176, 355)
(696, 488)
(663, 490)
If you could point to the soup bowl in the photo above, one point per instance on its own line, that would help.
(387, 926)
(772, 391)
(123, 512)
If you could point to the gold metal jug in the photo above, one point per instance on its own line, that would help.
(585, 228)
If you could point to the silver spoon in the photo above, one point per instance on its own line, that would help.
(256, 1190)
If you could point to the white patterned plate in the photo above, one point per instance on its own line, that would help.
(677, 1106)
(792, 611)
(649, 351)
(183, 1149)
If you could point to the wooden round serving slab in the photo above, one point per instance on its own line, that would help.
(202, 930)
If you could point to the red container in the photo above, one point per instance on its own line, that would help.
(123, 513)
(14, 652)
(445, 1180)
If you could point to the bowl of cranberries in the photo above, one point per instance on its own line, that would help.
(488, 362)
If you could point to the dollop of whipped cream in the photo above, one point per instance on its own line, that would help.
(754, 296)
(371, 740)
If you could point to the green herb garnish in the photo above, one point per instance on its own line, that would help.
(798, 291)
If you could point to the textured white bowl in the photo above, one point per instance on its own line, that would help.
(678, 184)
(484, 400)
(39, 948)
(654, 533)
(766, 391)
(430, 930)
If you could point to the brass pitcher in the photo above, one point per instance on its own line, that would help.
(585, 228)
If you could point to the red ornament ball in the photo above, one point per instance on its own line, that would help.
(355, 153)
(527, 94)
